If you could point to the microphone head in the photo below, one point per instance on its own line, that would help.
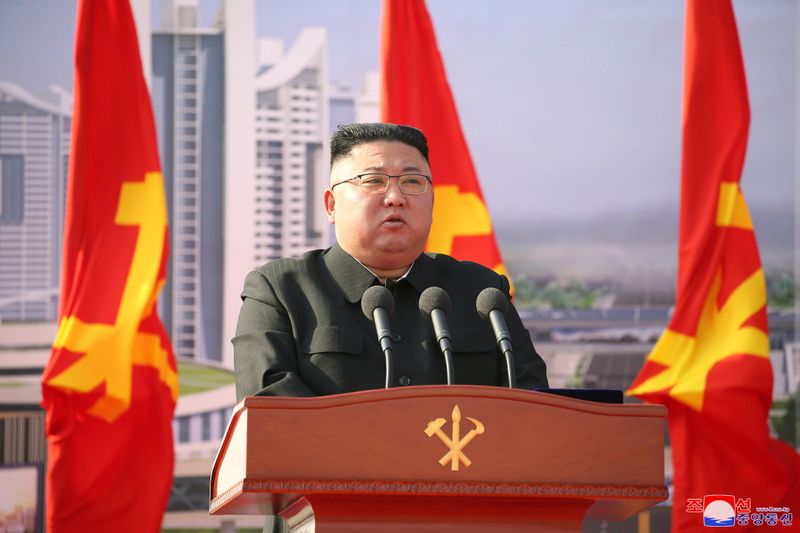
(490, 299)
(434, 298)
(375, 297)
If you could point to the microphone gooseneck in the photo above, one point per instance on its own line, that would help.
(434, 302)
(492, 306)
(378, 305)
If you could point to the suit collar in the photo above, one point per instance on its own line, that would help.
(353, 278)
(423, 275)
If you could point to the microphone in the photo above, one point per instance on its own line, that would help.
(492, 305)
(435, 303)
(378, 304)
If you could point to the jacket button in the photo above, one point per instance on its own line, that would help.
(404, 380)
(396, 337)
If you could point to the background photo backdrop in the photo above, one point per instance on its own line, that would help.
(571, 110)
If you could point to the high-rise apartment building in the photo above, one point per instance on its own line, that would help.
(188, 93)
(347, 106)
(292, 117)
(203, 101)
(34, 155)
(244, 149)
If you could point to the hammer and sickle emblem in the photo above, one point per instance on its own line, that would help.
(456, 443)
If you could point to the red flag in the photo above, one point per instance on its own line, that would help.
(414, 91)
(711, 366)
(110, 386)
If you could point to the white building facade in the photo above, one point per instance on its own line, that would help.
(292, 124)
(244, 148)
(34, 156)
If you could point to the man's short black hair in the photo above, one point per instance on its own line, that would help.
(348, 136)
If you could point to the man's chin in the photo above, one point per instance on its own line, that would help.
(394, 251)
(395, 246)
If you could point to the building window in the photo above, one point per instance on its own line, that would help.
(11, 189)
(183, 429)
(224, 415)
(186, 343)
(205, 426)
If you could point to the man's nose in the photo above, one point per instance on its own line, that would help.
(393, 194)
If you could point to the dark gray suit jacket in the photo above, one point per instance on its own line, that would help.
(301, 331)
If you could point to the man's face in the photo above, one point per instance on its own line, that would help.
(382, 230)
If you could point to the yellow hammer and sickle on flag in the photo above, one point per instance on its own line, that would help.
(110, 351)
(457, 214)
(719, 333)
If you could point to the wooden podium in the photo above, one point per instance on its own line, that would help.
(439, 458)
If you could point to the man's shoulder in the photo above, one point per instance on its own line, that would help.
(453, 267)
(290, 266)
(280, 277)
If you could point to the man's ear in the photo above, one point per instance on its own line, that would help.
(330, 203)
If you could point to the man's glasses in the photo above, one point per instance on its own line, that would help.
(375, 182)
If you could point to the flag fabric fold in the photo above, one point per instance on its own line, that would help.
(711, 366)
(110, 386)
(415, 91)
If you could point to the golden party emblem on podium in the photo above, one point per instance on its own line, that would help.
(455, 442)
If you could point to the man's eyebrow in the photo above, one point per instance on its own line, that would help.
(381, 168)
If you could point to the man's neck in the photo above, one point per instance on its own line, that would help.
(390, 274)
(393, 275)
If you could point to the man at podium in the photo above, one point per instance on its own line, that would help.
(302, 330)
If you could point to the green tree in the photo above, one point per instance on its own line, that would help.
(780, 289)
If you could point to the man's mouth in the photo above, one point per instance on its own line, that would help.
(394, 221)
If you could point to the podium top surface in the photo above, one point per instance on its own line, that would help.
(451, 391)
